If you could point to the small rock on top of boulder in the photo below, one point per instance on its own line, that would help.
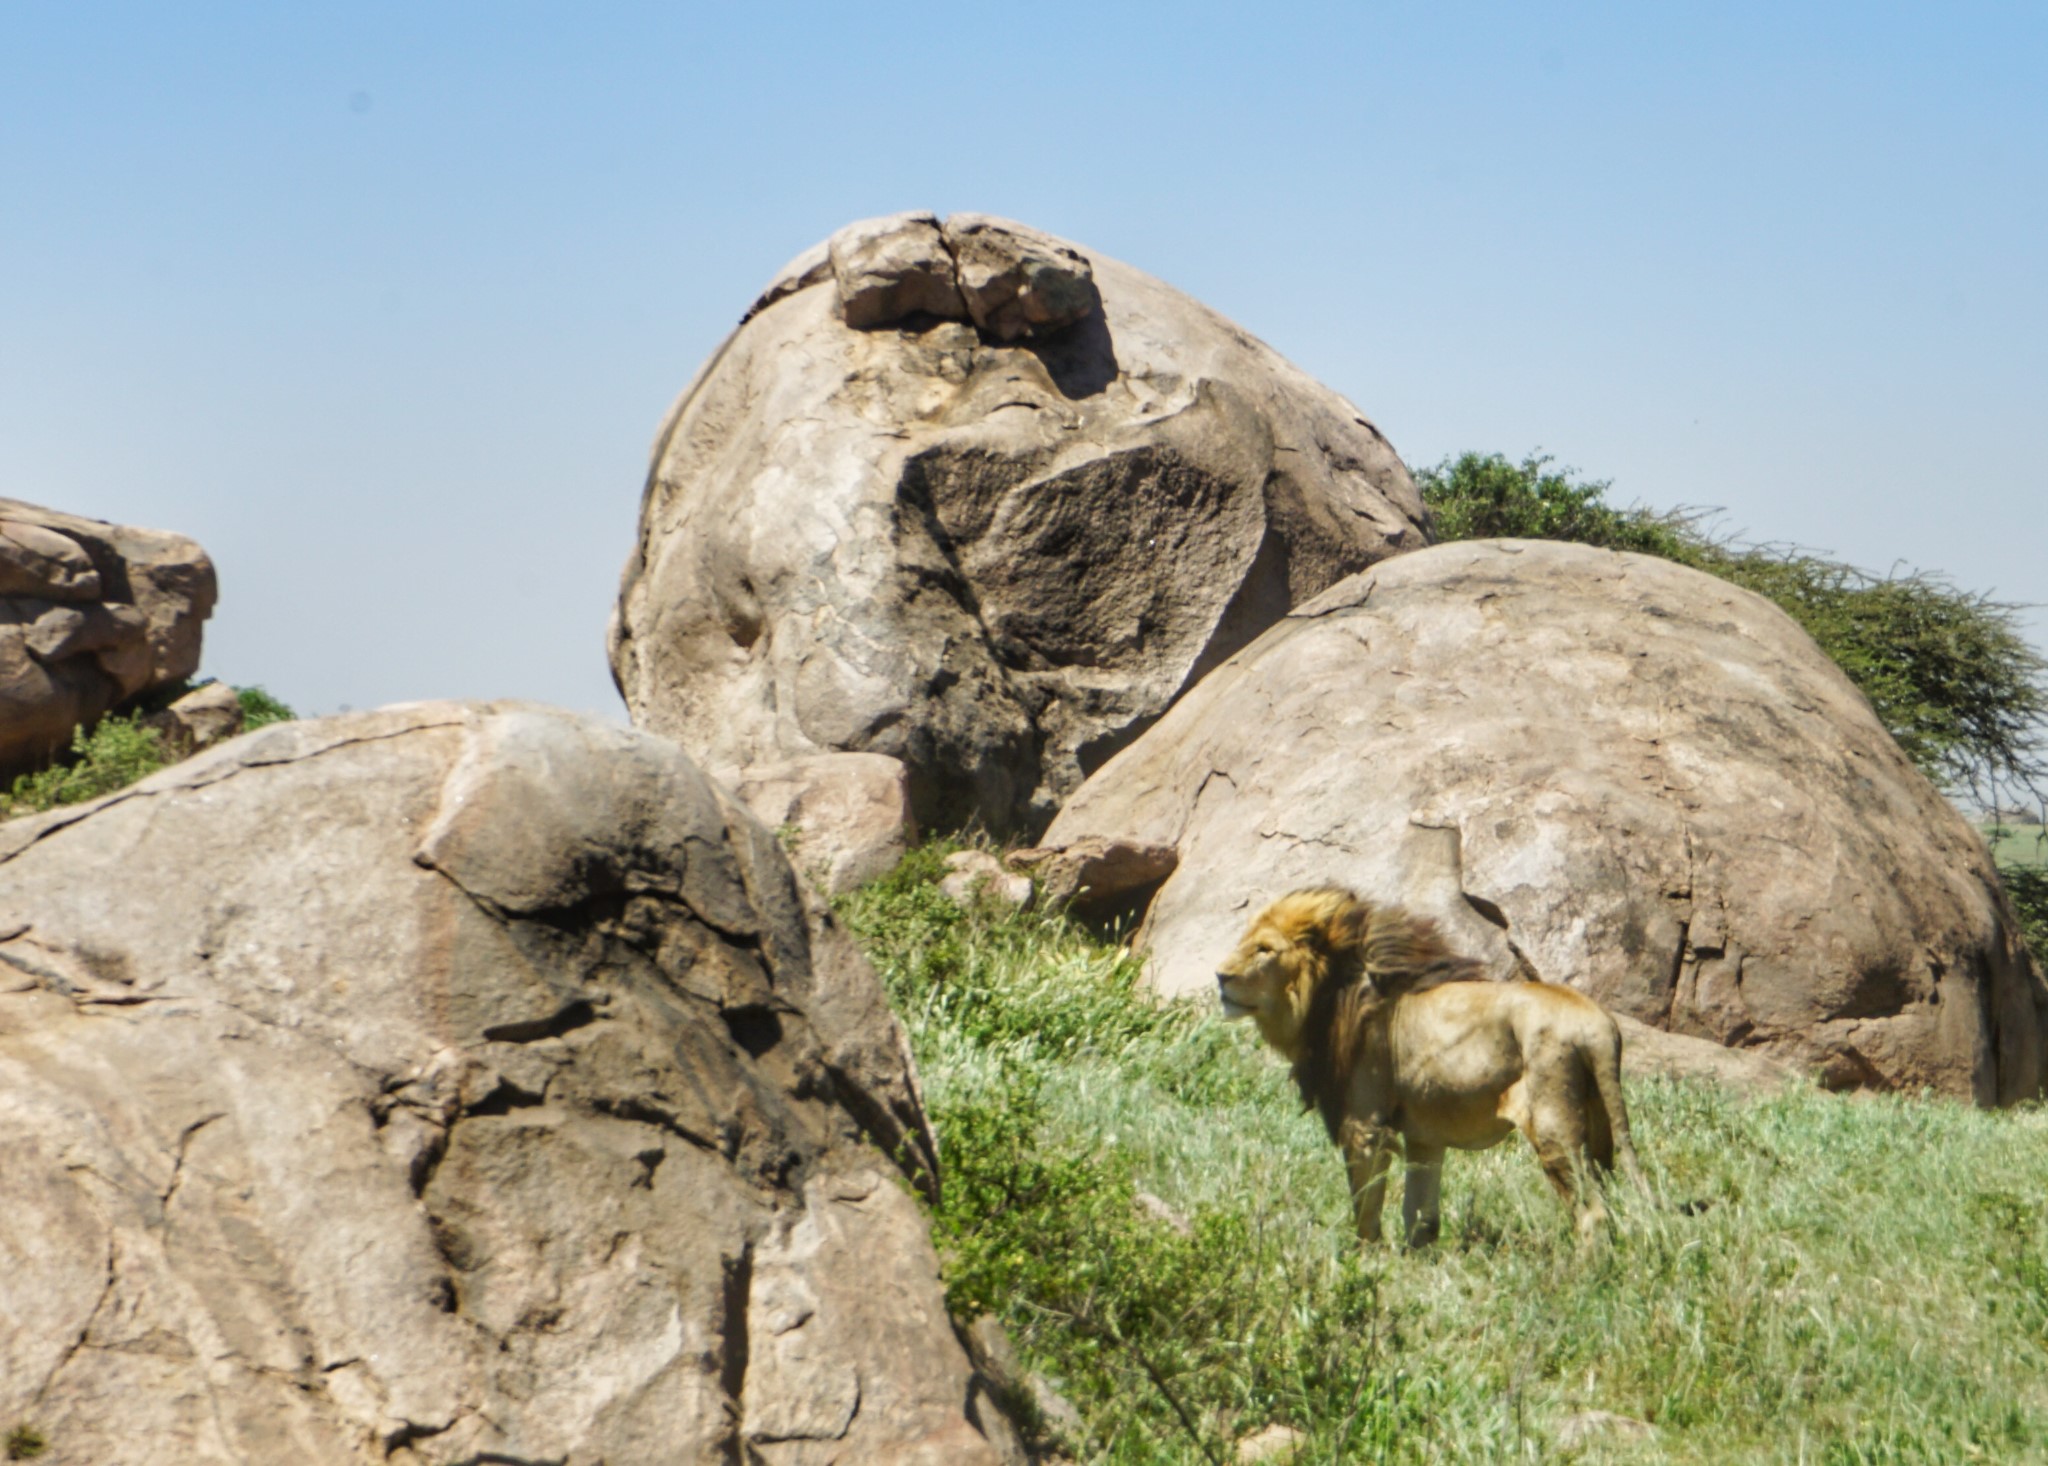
(455, 1083)
(1607, 770)
(967, 495)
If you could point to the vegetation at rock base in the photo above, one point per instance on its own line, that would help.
(1132, 1188)
(117, 752)
(25, 1443)
(1947, 670)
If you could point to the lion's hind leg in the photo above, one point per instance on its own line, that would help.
(1557, 1131)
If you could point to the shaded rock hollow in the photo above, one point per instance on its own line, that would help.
(993, 528)
(1607, 770)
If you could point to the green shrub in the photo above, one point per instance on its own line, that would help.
(1947, 671)
(260, 709)
(115, 754)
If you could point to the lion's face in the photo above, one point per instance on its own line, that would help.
(1259, 981)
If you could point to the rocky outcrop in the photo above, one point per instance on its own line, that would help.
(968, 496)
(1607, 770)
(492, 1097)
(201, 718)
(91, 615)
(844, 817)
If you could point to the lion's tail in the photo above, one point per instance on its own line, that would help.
(1605, 1062)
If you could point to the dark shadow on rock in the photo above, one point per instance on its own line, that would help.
(1081, 360)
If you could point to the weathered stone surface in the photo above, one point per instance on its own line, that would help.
(996, 562)
(976, 875)
(1606, 769)
(201, 718)
(1017, 282)
(91, 614)
(847, 815)
(453, 1083)
(1648, 1052)
(894, 267)
(1093, 873)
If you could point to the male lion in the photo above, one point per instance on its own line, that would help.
(1394, 1036)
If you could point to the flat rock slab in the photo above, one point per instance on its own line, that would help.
(972, 497)
(1606, 770)
(91, 614)
(454, 1083)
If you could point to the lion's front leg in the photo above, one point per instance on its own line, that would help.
(1368, 1152)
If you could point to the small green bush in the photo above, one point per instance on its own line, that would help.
(25, 1443)
(260, 709)
(1947, 671)
(115, 754)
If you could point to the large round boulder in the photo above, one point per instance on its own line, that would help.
(968, 496)
(91, 615)
(448, 1084)
(1606, 770)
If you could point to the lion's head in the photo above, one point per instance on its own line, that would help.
(1316, 966)
(1284, 957)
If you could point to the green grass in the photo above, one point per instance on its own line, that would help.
(1867, 1281)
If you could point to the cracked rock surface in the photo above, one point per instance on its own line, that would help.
(454, 1083)
(966, 495)
(1607, 770)
(91, 614)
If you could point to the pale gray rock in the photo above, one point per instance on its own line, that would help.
(1093, 874)
(1017, 282)
(454, 1083)
(845, 817)
(976, 875)
(1606, 770)
(995, 561)
(890, 268)
(1648, 1052)
(91, 615)
(201, 718)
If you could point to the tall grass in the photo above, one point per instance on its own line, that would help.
(1131, 1187)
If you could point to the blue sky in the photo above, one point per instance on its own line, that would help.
(382, 303)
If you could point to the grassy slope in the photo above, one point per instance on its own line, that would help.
(1869, 1283)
